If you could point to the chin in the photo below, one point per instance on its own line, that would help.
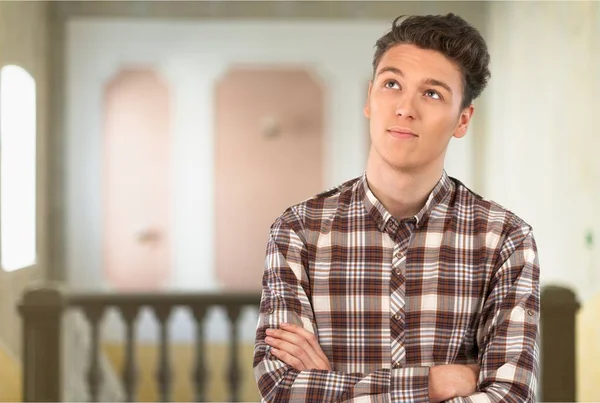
(397, 158)
(400, 164)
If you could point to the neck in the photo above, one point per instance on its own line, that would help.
(403, 193)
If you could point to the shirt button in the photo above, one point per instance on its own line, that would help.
(391, 226)
(396, 365)
(397, 271)
(397, 316)
(529, 312)
(270, 310)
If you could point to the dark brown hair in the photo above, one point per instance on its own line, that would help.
(448, 34)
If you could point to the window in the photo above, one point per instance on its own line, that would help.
(17, 168)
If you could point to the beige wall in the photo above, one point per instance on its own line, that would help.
(543, 143)
(23, 33)
(473, 11)
(542, 158)
(587, 356)
(10, 377)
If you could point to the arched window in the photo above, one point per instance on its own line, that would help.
(17, 168)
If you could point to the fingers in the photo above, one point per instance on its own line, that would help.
(288, 359)
(294, 344)
(311, 338)
(300, 356)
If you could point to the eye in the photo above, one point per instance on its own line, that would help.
(433, 94)
(391, 84)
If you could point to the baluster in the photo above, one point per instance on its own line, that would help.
(163, 375)
(129, 315)
(234, 370)
(94, 315)
(200, 373)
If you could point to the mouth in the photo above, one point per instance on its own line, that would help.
(402, 133)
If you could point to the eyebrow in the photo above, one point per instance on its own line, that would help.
(430, 81)
(391, 69)
(438, 83)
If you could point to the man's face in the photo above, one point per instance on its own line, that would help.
(414, 107)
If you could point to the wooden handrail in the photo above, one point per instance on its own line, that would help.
(558, 372)
(82, 299)
(42, 308)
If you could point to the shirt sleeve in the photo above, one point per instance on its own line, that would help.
(286, 298)
(508, 333)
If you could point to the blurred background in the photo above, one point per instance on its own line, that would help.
(147, 146)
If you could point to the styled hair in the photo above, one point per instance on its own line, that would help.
(448, 34)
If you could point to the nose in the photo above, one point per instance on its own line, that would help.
(405, 107)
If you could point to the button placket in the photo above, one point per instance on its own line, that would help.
(391, 227)
(397, 305)
(398, 261)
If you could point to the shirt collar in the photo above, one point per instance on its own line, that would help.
(383, 218)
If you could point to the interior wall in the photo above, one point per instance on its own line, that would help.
(541, 157)
(238, 13)
(23, 41)
(295, 10)
(588, 351)
(10, 376)
(193, 56)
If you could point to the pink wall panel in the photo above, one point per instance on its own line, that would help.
(136, 172)
(269, 155)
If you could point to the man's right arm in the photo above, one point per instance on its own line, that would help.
(285, 299)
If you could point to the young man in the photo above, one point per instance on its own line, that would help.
(402, 285)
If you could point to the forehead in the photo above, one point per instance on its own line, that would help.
(417, 63)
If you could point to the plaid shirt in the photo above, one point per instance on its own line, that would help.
(457, 283)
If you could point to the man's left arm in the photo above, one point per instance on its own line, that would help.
(508, 333)
(507, 336)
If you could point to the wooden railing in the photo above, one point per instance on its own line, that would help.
(42, 310)
(558, 371)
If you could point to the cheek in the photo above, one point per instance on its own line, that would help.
(379, 113)
(440, 123)
(374, 106)
(438, 139)
(380, 102)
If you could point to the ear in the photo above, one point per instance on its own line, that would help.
(367, 108)
(463, 122)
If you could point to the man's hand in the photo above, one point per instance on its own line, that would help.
(300, 349)
(297, 347)
(452, 380)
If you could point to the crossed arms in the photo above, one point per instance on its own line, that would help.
(291, 367)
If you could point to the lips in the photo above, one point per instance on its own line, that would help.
(402, 133)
